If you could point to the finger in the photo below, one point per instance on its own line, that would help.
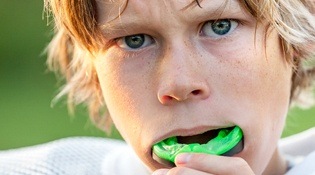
(213, 164)
(185, 171)
(160, 172)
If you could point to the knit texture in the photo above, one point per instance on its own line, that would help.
(102, 156)
(71, 156)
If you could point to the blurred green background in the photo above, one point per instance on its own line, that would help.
(26, 88)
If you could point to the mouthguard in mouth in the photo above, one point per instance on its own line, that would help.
(229, 141)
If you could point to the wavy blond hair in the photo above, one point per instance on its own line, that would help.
(78, 37)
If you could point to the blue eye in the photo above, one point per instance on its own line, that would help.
(135, 41)
(218, 28)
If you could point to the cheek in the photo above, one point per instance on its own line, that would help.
(130, 97)
(260, 74)
(263, 85)
(124, 94)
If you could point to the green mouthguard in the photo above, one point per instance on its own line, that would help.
(226, 139)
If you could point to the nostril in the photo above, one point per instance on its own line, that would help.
(196, 92)
(171, 95)
(167, 98)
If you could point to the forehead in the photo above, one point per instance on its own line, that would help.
(113, 9)
(173, 4)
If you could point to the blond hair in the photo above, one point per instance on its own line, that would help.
(78, 37)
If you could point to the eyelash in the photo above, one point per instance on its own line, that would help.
(121, 41)
(146, 40)
(232, 29)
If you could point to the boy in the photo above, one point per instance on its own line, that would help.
(183, 68)
(186, 69)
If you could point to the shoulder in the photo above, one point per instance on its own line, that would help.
(304, 167)
(299, 150)
(300, 144)
(77, 155)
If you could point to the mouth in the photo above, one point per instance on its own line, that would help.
(224, 141)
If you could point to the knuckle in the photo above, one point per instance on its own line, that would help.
(198, 157)
(240, 164)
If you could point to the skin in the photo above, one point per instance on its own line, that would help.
(185, 82)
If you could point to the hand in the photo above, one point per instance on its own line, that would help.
(202, 164)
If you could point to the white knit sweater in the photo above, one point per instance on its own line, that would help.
(72, 156)
(101, 156)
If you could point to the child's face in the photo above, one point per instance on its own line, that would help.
(183, 73)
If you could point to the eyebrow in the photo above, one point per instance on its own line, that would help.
(120, 24)
(194, 3)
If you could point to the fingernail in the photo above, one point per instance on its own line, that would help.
(182, 158)
(160, 172)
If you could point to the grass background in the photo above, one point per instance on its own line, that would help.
(26, 88)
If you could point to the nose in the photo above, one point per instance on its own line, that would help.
(182, 77)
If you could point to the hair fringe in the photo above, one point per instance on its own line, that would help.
(70, 55)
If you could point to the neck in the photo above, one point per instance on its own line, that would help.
(277, 164)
